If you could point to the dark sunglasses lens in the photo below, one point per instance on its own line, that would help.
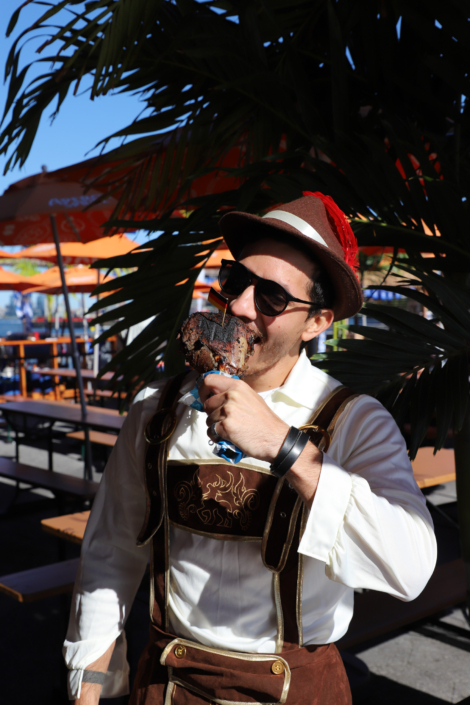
(270, 298)
(233, 279)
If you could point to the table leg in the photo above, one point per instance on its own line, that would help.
(88, 473)
(12, 427)
(50, 448)
(56, 378)
(22, 371)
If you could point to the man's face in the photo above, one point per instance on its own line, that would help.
(281, 336)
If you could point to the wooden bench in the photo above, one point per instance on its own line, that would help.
(98, 437)
(58, 483)
(38, 583)
(376, 613)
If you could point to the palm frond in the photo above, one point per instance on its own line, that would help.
(261, 94)
(417, 367)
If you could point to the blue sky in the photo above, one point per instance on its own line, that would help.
(80, 125)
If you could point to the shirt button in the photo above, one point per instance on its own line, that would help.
(180, 651)
(277, 667)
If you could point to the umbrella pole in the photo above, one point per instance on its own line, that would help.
(96, 348)
(76, 356)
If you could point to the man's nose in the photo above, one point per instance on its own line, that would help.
(244, 305)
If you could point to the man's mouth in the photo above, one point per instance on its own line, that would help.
(259, 338)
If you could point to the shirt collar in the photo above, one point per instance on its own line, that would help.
(306, 385)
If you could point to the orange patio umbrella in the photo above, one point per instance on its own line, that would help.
(105, 172)
(26, 208)
(215, 260)
(80, 280)
(9, 281)
(8, 255)
(76, 253)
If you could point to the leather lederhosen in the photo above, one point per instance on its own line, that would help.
(231, 503)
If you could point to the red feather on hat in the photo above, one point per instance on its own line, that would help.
(341, 228)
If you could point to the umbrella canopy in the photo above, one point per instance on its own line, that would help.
(76, 253)
(108, 174)
(79, 280)
(43, 278)
(26, 207)
(9, 281)
(8, 255)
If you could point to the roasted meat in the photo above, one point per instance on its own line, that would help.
(207, 345)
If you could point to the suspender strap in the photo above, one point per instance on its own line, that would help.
(157, 435)
(326, 416)
(283, 535)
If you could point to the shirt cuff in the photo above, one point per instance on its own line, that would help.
(74, 683)
(327, 511)
(116, 682)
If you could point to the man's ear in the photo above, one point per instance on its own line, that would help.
(317, 323)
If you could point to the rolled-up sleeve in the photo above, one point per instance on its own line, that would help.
(111, 565)
(369, 522)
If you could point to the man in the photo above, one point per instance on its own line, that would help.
(253, 565)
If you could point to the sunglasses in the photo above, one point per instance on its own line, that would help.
(271, 298)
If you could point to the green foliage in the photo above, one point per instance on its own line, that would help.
(386, 133)
(26, 267)
(418, 368)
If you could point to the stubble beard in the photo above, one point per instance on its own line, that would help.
(268, 356)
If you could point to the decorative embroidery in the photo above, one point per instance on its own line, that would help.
(234, 501)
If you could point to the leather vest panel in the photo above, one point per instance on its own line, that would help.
(222, 501)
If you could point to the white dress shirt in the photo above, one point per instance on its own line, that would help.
(368, 527)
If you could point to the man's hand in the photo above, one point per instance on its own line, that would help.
(243, 417)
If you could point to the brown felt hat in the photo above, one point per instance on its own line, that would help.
(317, 221)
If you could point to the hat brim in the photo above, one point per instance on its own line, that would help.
(240, 229)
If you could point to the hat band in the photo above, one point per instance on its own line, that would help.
(297, 223)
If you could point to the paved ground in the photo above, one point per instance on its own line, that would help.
(426, 665)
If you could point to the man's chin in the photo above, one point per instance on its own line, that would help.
(252, 364)
(257, 363)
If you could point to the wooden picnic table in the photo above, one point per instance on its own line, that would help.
(70, 373)
(53, 411)
(23, 345)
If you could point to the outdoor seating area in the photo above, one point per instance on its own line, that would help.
(54, 508)
(39, 581)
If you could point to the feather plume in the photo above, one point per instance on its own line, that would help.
(341, 228)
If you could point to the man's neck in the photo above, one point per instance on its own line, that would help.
(271, 377)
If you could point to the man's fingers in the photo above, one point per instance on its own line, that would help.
(213, 401)
(219, 431)
(215, 416)
(215, 384)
